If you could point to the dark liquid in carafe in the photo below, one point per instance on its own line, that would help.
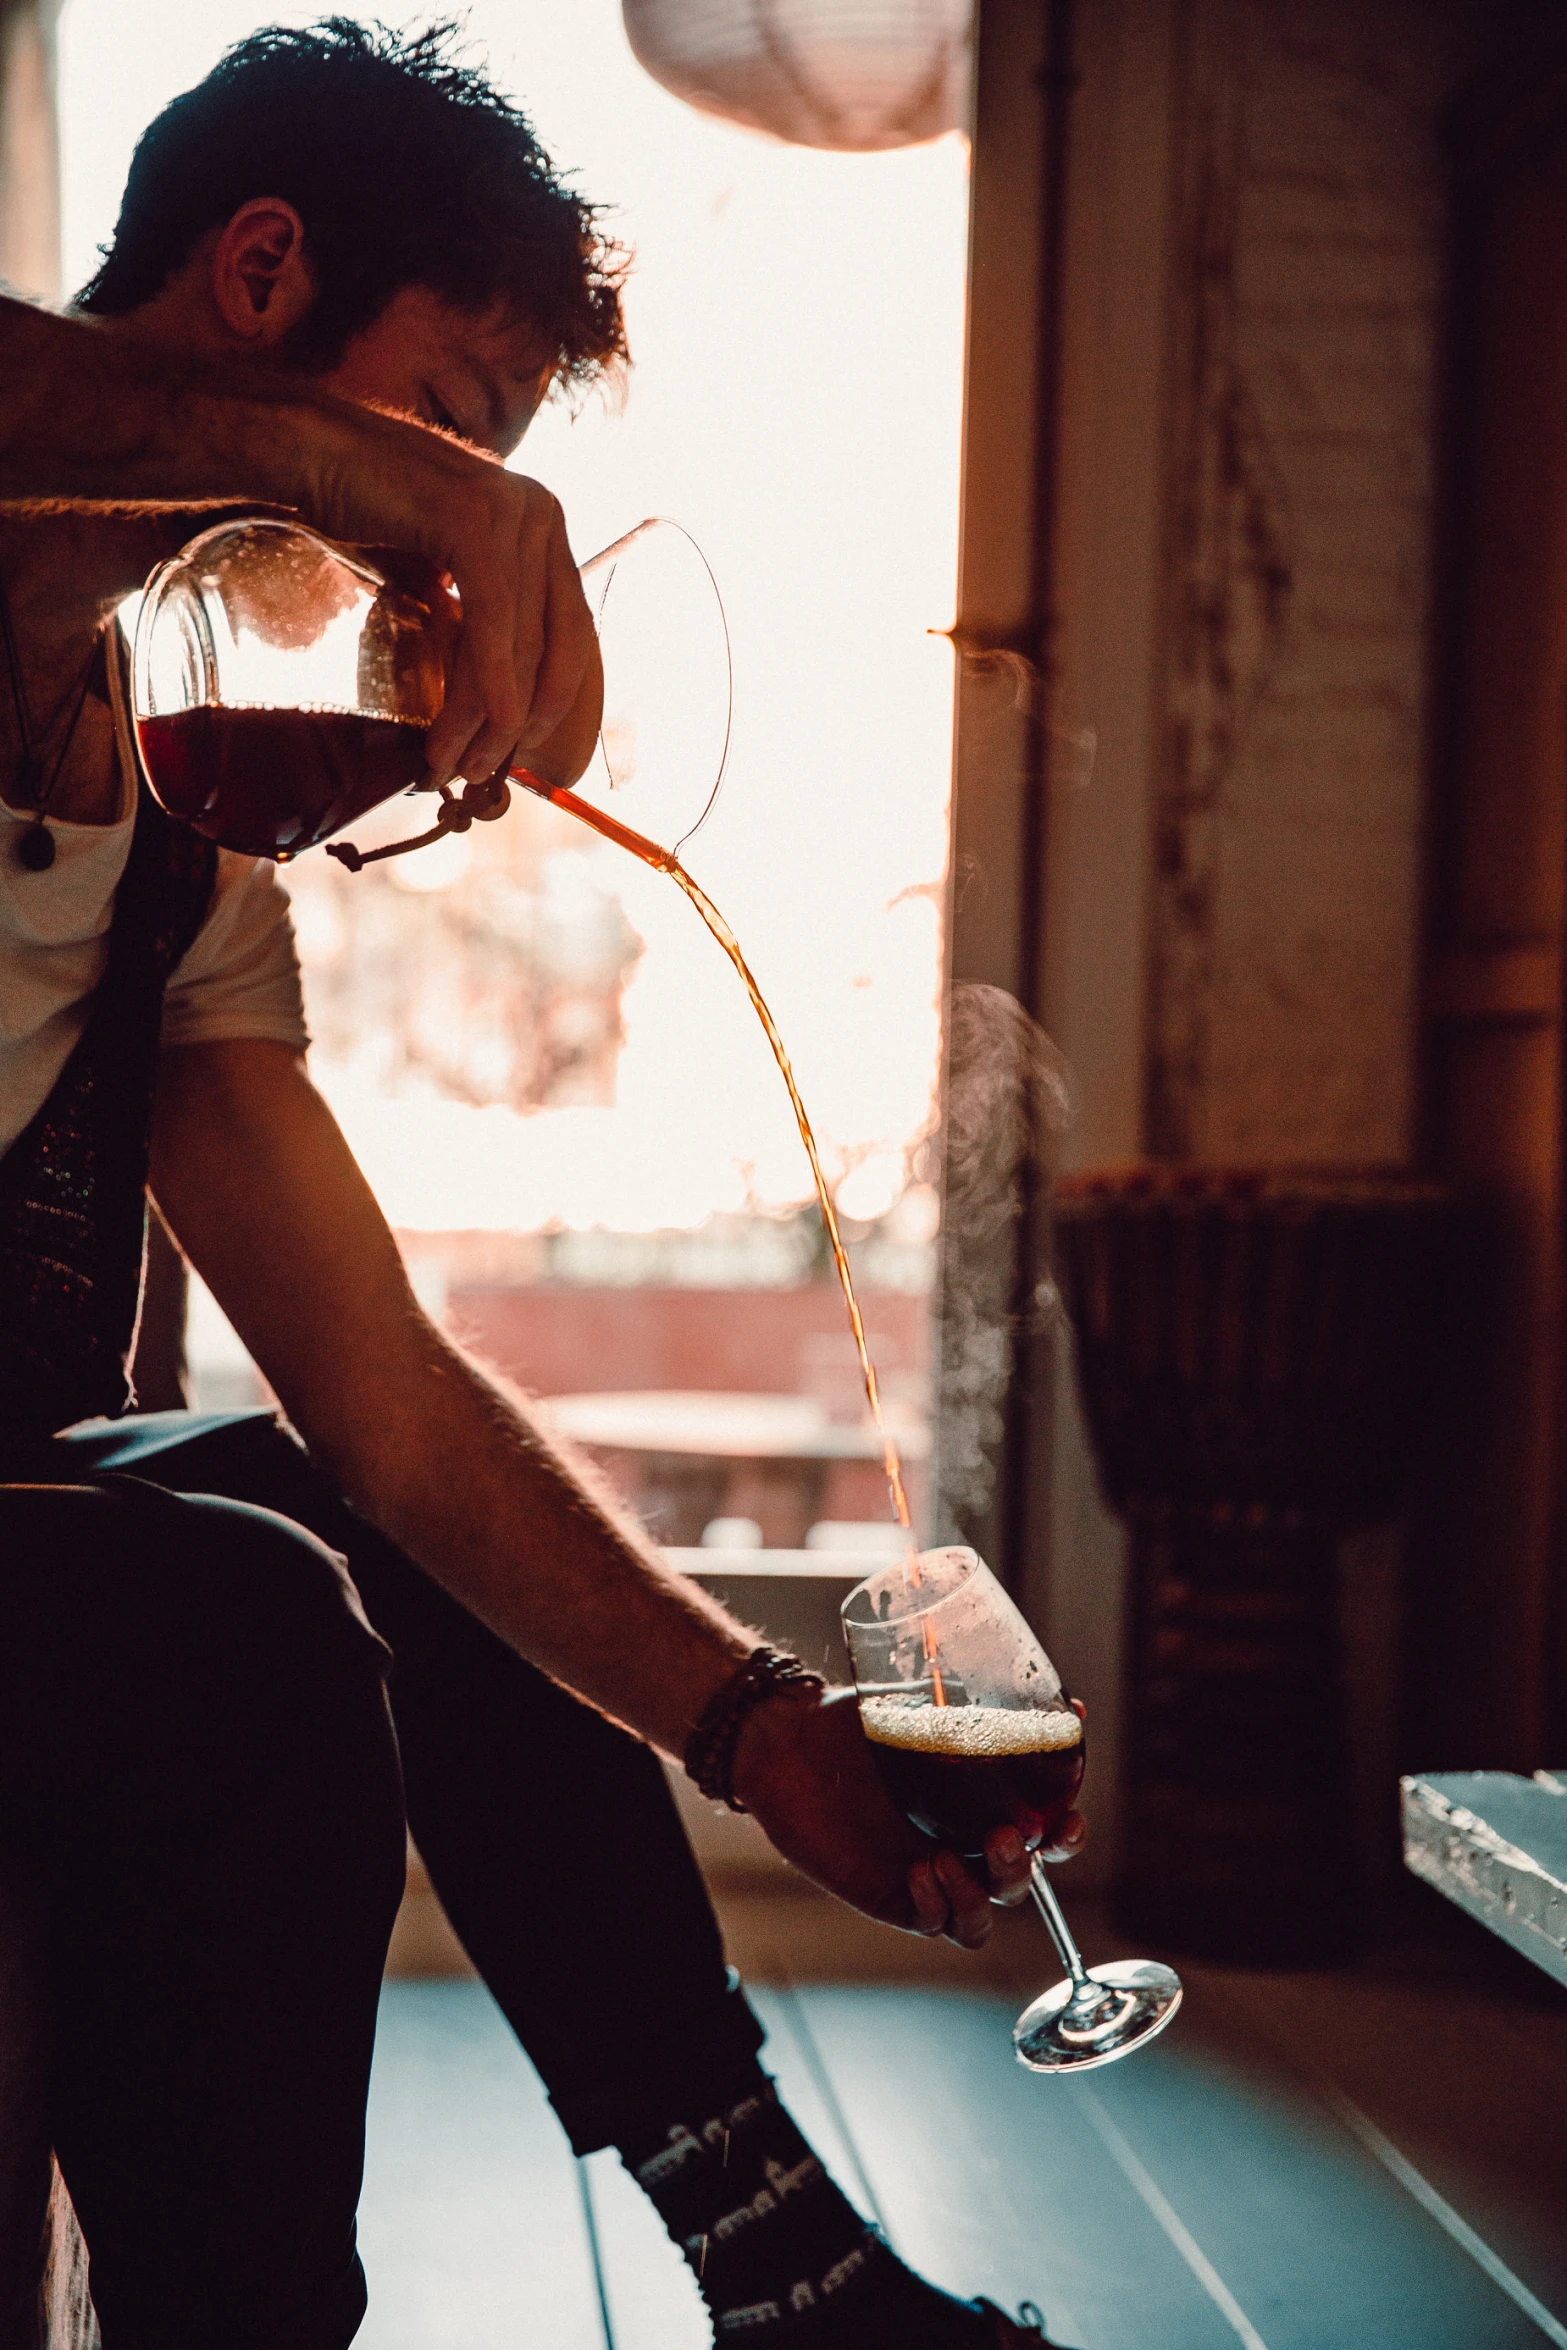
(272, 782)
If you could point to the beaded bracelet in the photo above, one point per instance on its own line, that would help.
(710, 1749)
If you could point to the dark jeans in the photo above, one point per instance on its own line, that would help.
(199, 1793)
(549, 1834)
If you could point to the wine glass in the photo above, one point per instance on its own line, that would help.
(971, 1730)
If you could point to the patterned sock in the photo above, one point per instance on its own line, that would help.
(780, 2254)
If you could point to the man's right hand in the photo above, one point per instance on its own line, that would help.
(528, 649)
(93, 414)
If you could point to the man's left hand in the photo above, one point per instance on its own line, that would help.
(804, 1768)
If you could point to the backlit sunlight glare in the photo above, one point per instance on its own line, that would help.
(797, 324)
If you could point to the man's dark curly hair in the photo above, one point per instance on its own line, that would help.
(406, 166)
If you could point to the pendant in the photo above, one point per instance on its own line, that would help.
(35, 849)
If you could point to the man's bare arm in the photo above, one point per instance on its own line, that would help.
(98, 413)
(253, 1174)
(251, 1171)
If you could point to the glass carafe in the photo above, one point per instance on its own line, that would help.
(282, 686)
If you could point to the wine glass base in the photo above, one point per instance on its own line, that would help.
(1062, 2031)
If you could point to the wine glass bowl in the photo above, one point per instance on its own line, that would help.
(971, 1731)
(971, 1727)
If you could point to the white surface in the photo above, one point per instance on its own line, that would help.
(816, 1566)
(731, 1534)
(871, 1538)
(729, 1426)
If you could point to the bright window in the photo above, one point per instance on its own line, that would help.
(533, 1040)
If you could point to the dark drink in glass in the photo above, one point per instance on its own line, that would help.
(958, 1771)
(972, 1731)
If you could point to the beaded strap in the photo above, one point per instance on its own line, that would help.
(710, 1749)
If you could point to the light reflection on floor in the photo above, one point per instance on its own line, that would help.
(1204, 2194)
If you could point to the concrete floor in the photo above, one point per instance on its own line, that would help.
(1304, 2162)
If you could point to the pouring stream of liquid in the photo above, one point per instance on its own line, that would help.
(665, 861)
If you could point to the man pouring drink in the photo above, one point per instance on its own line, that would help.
(232, 1656)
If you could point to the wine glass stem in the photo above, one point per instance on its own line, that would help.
(1060, 1932)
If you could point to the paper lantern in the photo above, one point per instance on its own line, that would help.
(853, 74)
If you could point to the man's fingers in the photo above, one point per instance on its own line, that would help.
(969, 1900)
(1071, 1836)
(540, 525)
(490, 751)
(930, 1903)
(483, 712)
(947, 1900)
(568, 642)
(1006, 1857)
(486, 701)
(466, 752)
(447, 741)
(526, 627)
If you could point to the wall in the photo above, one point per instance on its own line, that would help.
(1255, 241)
(1306, 252)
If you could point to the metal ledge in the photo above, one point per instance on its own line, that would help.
(1497, 1846)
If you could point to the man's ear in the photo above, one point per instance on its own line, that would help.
(262, 283)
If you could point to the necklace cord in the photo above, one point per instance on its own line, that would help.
(40, 788)
(13, 662)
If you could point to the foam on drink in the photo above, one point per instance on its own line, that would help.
(975, 1733)
(960, 1771)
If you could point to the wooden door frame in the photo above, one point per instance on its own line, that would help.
(1005, 630)
(1511, 114)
